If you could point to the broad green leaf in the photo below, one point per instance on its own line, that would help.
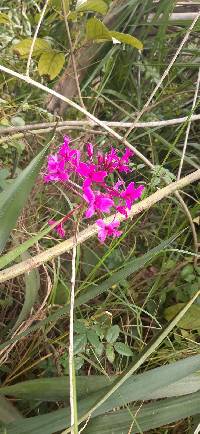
(96, 30)
(100, 349)
(57, 420)
(23, 47)
(17, 121)
(80, 342)
(110, 354)
(146, 417)
(4, 19)
(156, 383)
(123, 349)
(51, 63)
(186, 385)
(8, 413)
(191, 319)
(93, 338)
(32, 286)
(112, 334)
(127, 39)
(187, 271)
(14, 198)
(94, 6)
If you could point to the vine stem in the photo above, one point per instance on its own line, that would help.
(64, 246)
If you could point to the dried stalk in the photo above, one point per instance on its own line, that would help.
(92, 124)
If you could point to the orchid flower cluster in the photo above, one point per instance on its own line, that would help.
(98, 193)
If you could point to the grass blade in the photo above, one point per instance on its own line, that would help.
(15, 196)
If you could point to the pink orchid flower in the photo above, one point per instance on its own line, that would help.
(97, 201)
(59, 228)
(70, 155)
(56, 169)
(124, 161)
(90, 171)
(107, 230)
(109, 161)
(90, 150)
(131, 194)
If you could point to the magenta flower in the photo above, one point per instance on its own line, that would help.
(107, 230)
(109, 161)
(94, 170)
(71, 156)
(97, 201)
(122, 209)
(90, 171)
(59, 228)
(56, 169)
(124, 161)
(131, 194)
(90, 150)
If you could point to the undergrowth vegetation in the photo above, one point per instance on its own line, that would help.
(100, 335)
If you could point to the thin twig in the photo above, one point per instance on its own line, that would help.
(85, 123)
(59, 249)
(79, 108)
(6, 139)
(166, 72)
(188, 127)
(72, 55)
(35, 37)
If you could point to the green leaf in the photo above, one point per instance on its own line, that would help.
(4, 19)
(156, 383)
(8, 413)
(186, 385)
(191, 319)
(32, 286)
(80, 342)
(100, 349)
(110, 354)
(93, 338)
(112, 334)
(95, 29)
(135, 389)
(123, 349)
(51, 63)
(127, 39)
(186, 271)
(94, 6)
(23, 47)
(17, 121)
(14, 198)
(146, 417)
